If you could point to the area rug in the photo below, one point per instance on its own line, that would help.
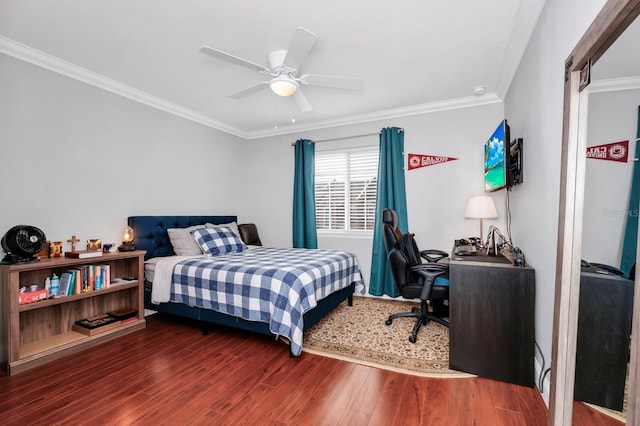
(359, 334)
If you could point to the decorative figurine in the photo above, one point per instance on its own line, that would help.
(73, 242)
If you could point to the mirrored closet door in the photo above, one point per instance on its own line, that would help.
(593, 213)
(606, 287)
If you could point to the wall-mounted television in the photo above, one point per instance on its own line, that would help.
(496, 159)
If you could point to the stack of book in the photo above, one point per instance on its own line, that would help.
(104, 322)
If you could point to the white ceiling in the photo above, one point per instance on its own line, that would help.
(412, 55)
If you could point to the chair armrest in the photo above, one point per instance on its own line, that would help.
(433, 255)
(429, 271)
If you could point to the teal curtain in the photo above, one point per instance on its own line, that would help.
(391, 194)
(631, 230)
(304, 203)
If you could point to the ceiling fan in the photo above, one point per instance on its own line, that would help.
(284, 66)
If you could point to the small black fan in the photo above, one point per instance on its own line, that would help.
(22, 243)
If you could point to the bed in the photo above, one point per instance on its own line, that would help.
(274, 291)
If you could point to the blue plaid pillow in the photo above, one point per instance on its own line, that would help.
(218, 240)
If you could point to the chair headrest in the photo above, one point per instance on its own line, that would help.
(390, 217)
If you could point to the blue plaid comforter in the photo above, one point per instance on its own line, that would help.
(272, 285)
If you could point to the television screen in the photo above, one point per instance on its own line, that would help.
(496, 160)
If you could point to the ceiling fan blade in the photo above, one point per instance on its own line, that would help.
(301, 44)
(231, 58)
(302, 102)
(336, 82)
(249, 90)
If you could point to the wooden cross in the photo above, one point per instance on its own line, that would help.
(73, 242)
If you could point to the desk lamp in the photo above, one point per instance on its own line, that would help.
(481, 207)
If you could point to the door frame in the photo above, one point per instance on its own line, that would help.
(613, 19)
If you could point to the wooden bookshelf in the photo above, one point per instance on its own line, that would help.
(36, 333)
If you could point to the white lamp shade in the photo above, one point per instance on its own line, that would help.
(481, 207)
(283, 86)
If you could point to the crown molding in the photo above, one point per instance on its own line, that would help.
(57, 65)
(614, 84)
(466, 102)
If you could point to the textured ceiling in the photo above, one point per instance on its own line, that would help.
(410, 54)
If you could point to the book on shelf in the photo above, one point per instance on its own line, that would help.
(96, 324)
(123, 314)
(83, 254)
(66, 280)
(77, 281)
(91, 278)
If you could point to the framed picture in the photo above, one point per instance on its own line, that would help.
(94, 244)
(56, 249)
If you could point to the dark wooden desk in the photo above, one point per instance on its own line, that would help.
(491, 315)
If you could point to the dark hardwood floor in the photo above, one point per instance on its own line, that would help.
(171, 374)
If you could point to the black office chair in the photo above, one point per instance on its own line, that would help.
(415, 280)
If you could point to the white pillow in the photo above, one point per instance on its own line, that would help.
(183, 242)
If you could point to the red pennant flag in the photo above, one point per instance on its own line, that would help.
(616, 151)
(418, 160)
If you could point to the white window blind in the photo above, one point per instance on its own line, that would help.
(345, 189)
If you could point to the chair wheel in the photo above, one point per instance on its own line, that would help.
(412, 339)
(388, 322)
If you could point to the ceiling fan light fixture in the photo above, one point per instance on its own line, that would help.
(283, 86)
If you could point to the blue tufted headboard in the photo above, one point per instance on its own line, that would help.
(151, 231)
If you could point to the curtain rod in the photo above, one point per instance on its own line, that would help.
(400, 130)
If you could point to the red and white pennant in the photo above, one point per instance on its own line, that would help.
(419, 160)
(616, 151)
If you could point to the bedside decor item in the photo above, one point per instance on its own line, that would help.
(127, 239)
(73, 240)
(56, 249)
(95, 244)
(22, 243)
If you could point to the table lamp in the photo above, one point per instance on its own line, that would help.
(127, 240)
(481, 207)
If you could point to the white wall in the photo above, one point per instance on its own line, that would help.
(79, 160)
(533, 106)
(436, 195)
(613, 117)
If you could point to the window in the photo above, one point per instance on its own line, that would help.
(345, 189)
